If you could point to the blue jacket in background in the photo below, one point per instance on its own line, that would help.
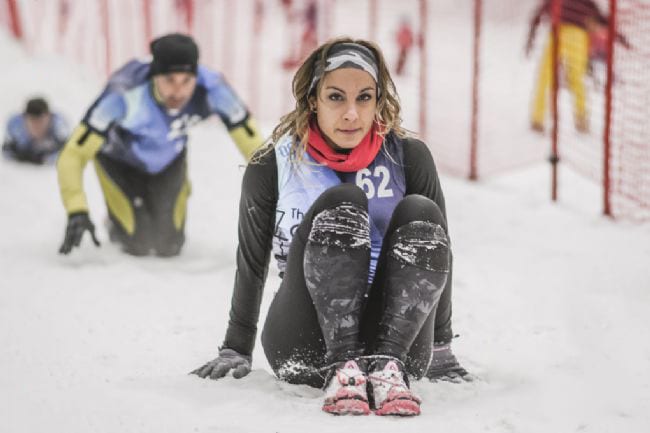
(141, 132)
(21, 146)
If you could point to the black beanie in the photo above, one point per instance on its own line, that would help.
(174, 53)
(37, 107)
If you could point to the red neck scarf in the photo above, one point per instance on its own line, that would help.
(359, 157)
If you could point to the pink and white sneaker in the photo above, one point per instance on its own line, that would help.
(391, 393)
(346, 392)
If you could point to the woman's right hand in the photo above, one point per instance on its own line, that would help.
(227, 360)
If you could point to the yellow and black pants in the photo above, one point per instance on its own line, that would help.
(573, 51)
(147, 211)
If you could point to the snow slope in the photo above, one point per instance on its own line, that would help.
(551, 304)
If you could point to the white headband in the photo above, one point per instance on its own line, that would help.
(347, 55)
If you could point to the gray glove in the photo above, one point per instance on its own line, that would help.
(445, 367)
(227, 360)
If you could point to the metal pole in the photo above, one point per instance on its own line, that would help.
(189, 16)
(254, 71)
(14, 19)
(607, 151)
(227, 52)
(373, 20)
(555, 64)
(148, 30)
(478, 12)
(107, 35)
(423, 68)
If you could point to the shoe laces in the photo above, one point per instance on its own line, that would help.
(350, 374)
(390, 375)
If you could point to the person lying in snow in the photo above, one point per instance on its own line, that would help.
(36, 135)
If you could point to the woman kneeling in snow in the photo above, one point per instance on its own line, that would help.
(355, 216)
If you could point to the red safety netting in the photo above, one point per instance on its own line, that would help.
(629, 175)
(448, 87)
(582, 70)
(507, 80)
(602, 127)
(467, 87)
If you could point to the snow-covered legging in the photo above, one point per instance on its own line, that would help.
(325, 311)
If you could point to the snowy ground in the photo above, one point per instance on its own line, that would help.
(551, 302)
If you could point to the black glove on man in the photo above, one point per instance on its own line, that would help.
(24, 155)
(78, 223)
(227, 360)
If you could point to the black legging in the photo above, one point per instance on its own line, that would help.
(293, 337)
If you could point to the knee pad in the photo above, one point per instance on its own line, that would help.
(346, 226)
(422, 244)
